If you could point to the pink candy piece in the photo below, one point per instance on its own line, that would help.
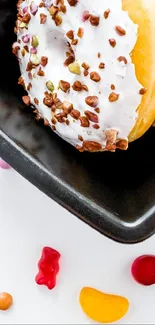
(143, 270)
(33, 50)
(26, 38)
(3, 164)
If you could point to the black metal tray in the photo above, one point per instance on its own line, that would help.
(114, 193)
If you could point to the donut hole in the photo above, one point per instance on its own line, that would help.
(57, 46)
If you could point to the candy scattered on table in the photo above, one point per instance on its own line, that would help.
(143, 269)
(101, 307)
(3, 164)
(48, 267)
(5, 301)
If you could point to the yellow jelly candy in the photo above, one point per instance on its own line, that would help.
(101, 307)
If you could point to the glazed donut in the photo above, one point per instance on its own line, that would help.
(77, 68)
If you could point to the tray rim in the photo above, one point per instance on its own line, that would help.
(72, 200)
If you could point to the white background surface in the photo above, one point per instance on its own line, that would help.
(29, 221)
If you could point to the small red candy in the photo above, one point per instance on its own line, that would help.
(143, 270)
(48, 267)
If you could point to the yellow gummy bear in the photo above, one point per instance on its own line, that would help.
(101, 307)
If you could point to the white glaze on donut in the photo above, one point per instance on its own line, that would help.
(119, 115)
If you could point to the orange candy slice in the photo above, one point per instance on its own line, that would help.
(142, 12)
(101, 307)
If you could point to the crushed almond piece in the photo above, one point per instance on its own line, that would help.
(26, 18)
(40, 73)
(85, 66)
(101, 65)
(113, 97)
(70, 59)
(86, 73)
(36, 101)
(26, 100)
(122, 144)
(112, 42)
(84, 87)
(95, 76)
(80, 32)
(74, 42)
(80, 138)
(99, 55)
(97, 110)
(72, 3)
(75, 114)
(80, 149)
(96, 126)
(67, 107)
(44, 61)
(42, 5)
(64, 86)
(113, 87)
(94, 20)
(92, 101)
(92, 146)
(70, 34)
(122, 59)
(84, 122)
(142, 91)
(106, 13)
(121, 31)
(43, 18)
(91, 116)
(77, 86)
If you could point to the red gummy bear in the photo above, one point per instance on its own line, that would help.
(143, 270)
(48, 267)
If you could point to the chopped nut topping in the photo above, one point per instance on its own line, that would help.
(99, 55)
(80, 149)
(44, 61)
(85, 66)
(86, 73)
(122, 144)
(29, 86)
(101, 65)
(70, 34)
(36, 101)
(43, 18)
(26, 18)
(142, 91)
(26, 100)
(113, 87)
(58, 20)
(80, 32)
(92, 146)
(112, 42)
(77, 86)
(92, 101)
(113, 97)
(53, 10)
(64, 86)
(48, 101)
(97, 110)
(122, 59)
(91, 116)
(84, 87)
(75, 114)
(42, 5)
(21, 81)
(74, 42)
(94, 20)
(106, 13)
(95, 76)
(72, 3)
(84, 122)
(120, 31)
(96, 126)
(35, 41)
(63, 9)
(69, 60)
(67, 107)
(40, 73)
(111, 136)
(80, 138)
